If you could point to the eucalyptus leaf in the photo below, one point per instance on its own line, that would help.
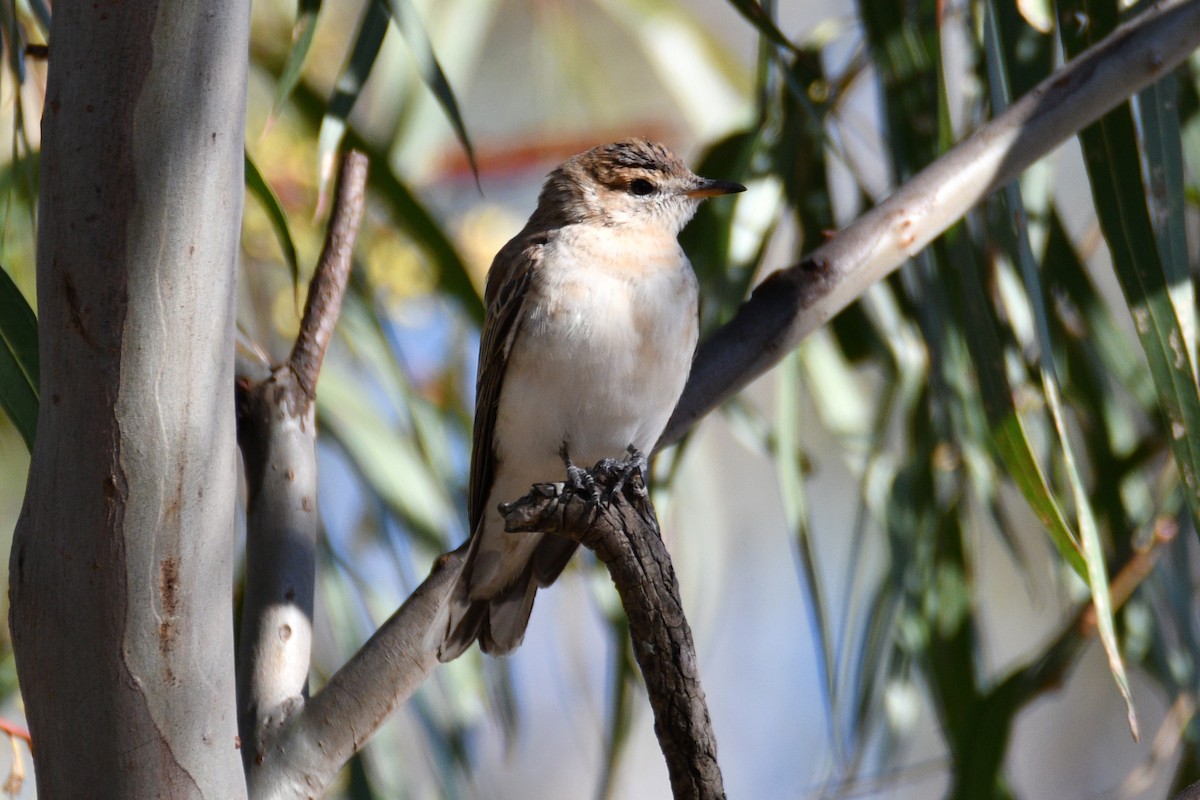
(18, 359)
(258, 186)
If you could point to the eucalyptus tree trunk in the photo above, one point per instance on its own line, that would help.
(121, 561)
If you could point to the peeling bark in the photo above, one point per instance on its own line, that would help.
(624, 535)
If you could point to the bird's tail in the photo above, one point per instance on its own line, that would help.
(498, 622)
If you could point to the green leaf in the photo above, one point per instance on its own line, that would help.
(407, 212)
(625, 677)
(389, 462)
(1089, 535)
(371, 31)
(707, 238)
(1008, 432)
(18, 359)
(1119, 194)
(757, 16)
(14, 42)
(1158, 113)
(42, 12)
(259, 187)
(410, 214)
(789, 458)
(302, 37)
(409, 23)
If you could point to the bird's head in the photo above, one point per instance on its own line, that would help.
(633, 182)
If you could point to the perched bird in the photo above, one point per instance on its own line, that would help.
(589, 335)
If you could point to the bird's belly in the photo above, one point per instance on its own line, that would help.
(599, 369)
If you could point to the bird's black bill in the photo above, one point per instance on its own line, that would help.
(708, 187)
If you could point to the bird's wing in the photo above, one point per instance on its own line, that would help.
(509, 279)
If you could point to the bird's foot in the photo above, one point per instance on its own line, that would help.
(616, 473)
(581, 481)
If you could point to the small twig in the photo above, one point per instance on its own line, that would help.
(328, 285)
(625, 536)
(16, 731)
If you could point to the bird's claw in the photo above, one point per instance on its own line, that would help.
(608, 478)
(616, 473)
(636, 464)
(581, 481)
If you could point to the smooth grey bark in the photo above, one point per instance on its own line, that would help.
(121, 564)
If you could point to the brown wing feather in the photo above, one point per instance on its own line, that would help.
(507, 286)
(514, 268)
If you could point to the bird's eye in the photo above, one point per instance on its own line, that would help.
(641, 187)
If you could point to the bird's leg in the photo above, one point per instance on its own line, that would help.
(579, 479)
(626, 469)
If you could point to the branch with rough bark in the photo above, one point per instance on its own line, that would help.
(624, 535)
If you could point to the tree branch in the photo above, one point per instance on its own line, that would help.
(625, 536)
(795, 301)
(328, 285)
(277, 437)
(315, 742)
(293, 747)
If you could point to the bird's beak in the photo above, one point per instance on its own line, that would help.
(707, 187)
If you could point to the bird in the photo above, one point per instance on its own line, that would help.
(590, 328)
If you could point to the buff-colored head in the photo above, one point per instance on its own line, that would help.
(634, 182)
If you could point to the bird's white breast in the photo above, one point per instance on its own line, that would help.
(604, 349)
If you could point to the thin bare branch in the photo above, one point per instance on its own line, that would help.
(625, 536)
(328, 285)
(795, 301)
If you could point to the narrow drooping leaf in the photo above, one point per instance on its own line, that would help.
(624, 677)
(757, 16)
(349, 86)
(1119, 194)
(302, 37)
(1158, 112)
(42, 12)
(1089, 534)
(18, 359)
(390, 465)
(1007, 429)
(788, 467)
(262, 190)
(411, 28)
(14, 39)
(408, 212)
(707, 238)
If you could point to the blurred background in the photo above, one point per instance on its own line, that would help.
(879, 542)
